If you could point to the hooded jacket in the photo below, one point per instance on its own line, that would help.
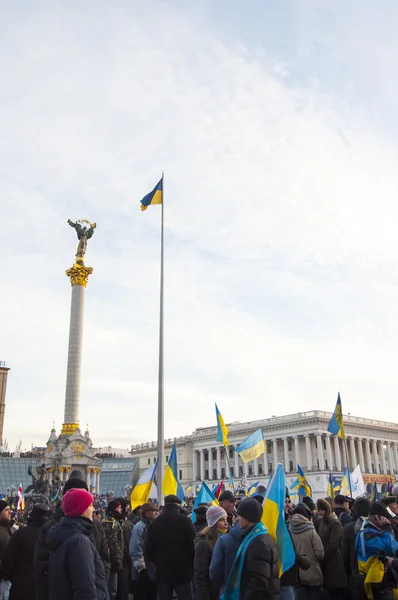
(307, 541)
(331, 533)
(224, 555)
(76, 571)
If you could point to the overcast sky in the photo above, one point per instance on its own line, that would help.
(277, 126)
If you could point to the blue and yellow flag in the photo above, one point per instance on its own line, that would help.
(274, 519)
(205, 496)
(142, 490)
(252, 447)
(374, 496)
(154, 197)
(336, 425)
(304, 486)
(171, 485)
(330, 490)
(222, 431)
(252, 489)
(346, 484)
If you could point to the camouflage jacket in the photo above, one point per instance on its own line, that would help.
(115, 541)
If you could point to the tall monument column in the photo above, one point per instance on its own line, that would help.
(78, 275)
(3, 387)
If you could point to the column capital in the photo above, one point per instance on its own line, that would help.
(78, 274)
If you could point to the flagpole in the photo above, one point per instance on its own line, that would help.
(348, 466)
(229, 468)
(160, 469)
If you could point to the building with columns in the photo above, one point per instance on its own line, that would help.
(297, 439)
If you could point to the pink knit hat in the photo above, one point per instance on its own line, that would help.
(76, 502)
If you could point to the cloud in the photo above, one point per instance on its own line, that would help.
(280, 254)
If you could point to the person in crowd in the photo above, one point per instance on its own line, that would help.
(114, 537)
(5, 526)
(255, 573)
(124, 578)
(360, 512)
(143, 572)
(307, 545)
(288, 509)
(200, 522)
(169, 546)
(135, 515)
(98, 515)
(314, 513)
(42, 552)
(227, 501)
(390, 502)
(224, 555)
(217, 525)
(17, 563)
(331, 533)
(76, 570)
(342, 509)
(375, 543)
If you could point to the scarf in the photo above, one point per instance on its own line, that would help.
(232, 587)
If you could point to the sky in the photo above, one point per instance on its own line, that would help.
(276, 124)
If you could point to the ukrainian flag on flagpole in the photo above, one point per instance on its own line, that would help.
(154, 197)
(336, 425)
(252, 489)
(252, 447)
(141, 491)
(304, 486)
(330, 490)
(205, 496)
(345, 488)
(171, 485)
(274, 519)
(222, 431)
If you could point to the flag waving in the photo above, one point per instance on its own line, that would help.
(171, 485)
(154, 197)
(222, 431)
(336, 425)
(21, 498)
(142, 490)
(252, 447)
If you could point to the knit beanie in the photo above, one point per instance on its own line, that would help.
(75, 483)
(3, 505)
(309, 502)
(114, 504)
(302, 509)
(76, 502)
(250, 509)
(214, 514)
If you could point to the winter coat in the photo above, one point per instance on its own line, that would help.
(224, 555)
(260, 574)
(115, 540)
(42, 553)
(169, 545)
(5, 536)
(331, 533)
(307, 541)
(76, 571)
(205, 588)
(343, 516)
(17, 563)
(139, 562)
(348, 550)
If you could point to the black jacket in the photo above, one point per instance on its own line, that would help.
(17, 563)
(205, 589)
(343, 516)
(169, 545)
(42, 553)
(76, 571)
(5, 536)
(260, 575)
(348, 550)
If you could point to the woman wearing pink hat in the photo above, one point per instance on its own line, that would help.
(76, 569)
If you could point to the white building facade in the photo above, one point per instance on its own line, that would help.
(297, 439)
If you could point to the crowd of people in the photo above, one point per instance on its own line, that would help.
(81, 550)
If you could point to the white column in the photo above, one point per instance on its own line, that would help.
(88, 478)
(236, 465)
(202, 464)
(375, 457)
(275, 460)
(246, 469)
(383, 459)
(265, 459)
(218, 462)
(329, 452)
(98, 482)
(390, 459)
(255, 467)
(308, 452)
(368, 456)
(360, 453)
(296, 452)
(72, 391)
(320, 452)
(194, 465)
(210, 453)
(394, 449)
(337, 452)
(353, 453)
(286, 455)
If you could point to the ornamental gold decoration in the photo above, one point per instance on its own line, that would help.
(69, 428)
(78, 274)
(77, 447)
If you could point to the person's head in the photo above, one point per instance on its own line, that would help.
(309, 502)
(200, 512)
(303, 510)
(288, 505)
(149, 511)
(391, 503)
(172, 499)
(341, 501)
(78, 503)
(74, 483)
(259, 498)
(227, 501)
(361, 507)
(217, 517)
(124, 503)
(114, 506)
(5, 511)
(249, 512)
(97, 515)
(378, 515)
(324, 508)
